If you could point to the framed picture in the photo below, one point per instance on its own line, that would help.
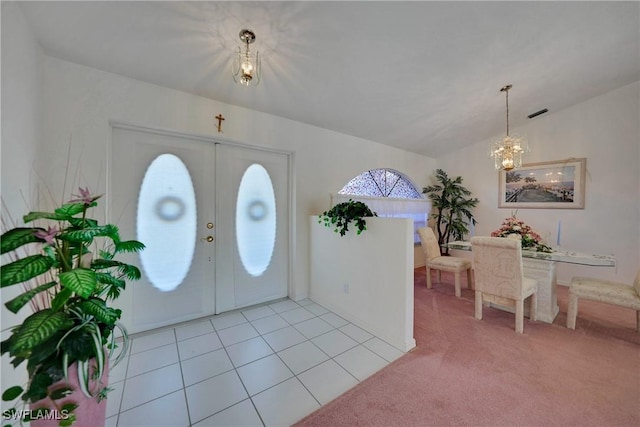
(547, 185)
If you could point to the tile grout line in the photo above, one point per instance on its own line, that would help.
(240, 378)
(276, 353)
(184, 385)
(317, 313)
(152, 370)
(124, 382)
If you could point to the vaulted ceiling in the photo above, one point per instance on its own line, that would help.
(421, 76)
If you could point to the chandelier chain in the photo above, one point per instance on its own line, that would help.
(507, 98)
(506, 90)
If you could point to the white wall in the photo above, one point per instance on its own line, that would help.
(49, 103)
(379, 280)
(80, 102)
(605, 130)
(21, 135)
(52, 108)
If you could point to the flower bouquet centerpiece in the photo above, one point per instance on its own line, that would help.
(67, 267)
(515, 228)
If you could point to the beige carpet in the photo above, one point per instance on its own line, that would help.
(468, 372)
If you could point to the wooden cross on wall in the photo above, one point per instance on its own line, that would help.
(220, 119)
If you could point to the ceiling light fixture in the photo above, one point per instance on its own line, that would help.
(246, 66)
(507, 151)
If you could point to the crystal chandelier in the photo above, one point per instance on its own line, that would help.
(246, 66)
(507, 151)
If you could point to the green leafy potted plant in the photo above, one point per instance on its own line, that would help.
(69, 273)
(453, 205)
(341, 215)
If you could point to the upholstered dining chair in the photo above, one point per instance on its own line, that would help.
(435, 261)
(605, 291)
(499, 276)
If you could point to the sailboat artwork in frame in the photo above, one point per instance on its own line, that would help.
(546, 185)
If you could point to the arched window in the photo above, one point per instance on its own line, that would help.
(381, 183)
(389, 193)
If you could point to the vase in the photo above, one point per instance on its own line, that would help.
(89, 413)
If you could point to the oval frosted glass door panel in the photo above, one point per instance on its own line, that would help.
(256, 220)
(166, 222)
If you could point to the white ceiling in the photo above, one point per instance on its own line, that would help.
(421, 76)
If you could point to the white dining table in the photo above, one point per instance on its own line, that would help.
(541, 266)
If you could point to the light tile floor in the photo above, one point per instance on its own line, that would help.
(268, 365)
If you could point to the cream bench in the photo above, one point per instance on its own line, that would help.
(609, 292)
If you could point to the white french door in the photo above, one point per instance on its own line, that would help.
(199, 207)
(252, 254)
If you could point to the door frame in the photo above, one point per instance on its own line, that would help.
(291, 226)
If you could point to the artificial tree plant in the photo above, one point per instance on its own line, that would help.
(452, 203)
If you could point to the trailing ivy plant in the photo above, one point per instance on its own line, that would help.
(341, 215)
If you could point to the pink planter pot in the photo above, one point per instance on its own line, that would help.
(89, 412)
